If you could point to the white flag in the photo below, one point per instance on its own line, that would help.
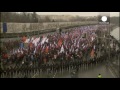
(94, 47)
(32, 39)
(18, 50)
(27, 41)
(62, 49)
(43, 40)
(21, 51)
(76, 50)
(35, 51)
(92, 38)
(47, 40)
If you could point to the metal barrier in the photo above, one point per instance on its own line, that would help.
(46, 70)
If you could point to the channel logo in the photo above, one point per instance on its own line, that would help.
(104, 18)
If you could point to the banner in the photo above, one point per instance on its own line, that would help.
(4, 27)
(21, 45)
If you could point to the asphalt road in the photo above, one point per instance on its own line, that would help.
(91, 72)
(84, 72)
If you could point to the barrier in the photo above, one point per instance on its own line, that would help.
(44, 69)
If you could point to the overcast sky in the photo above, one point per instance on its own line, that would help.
(76, 13)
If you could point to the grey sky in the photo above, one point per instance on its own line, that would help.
(76, 13)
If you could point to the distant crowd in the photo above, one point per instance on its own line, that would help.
(75, 45)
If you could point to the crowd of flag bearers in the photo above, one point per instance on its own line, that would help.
(75, 46)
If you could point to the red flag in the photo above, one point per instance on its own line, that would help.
(5, 56)
(92, 53)
(46, 50)
(60, 42)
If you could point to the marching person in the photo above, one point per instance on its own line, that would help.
(99, 76)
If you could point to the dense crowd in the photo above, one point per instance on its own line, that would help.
(76, 46)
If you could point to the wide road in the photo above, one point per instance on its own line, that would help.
(91, 72)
